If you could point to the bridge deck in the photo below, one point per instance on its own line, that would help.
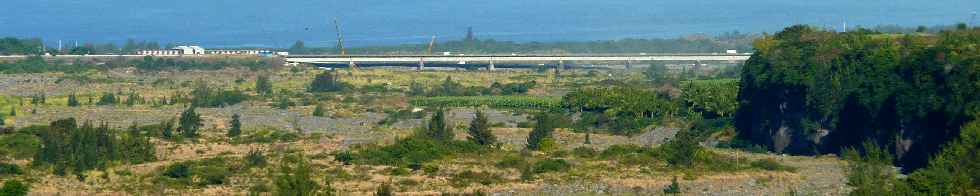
(514, 58)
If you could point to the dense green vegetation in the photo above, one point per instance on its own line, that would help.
(450, 87)
(714, 97)
(621, 110)
(206, 96)
(516, 102)
(15, 46)
(37, 64)
(909, 92)
(71, 148)
(954, 171)
(328, 81)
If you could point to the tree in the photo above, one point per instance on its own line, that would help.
(383, 190)
(318, 110)
(282, 102)
(326, 82)
(167, 129)
(870, 174)
(543, 129)
(190, 122)
(657, 72)
(2, 123)
(480, 130)
(437, 128)
(236, 126)
(263, 86)
(73, 100)
(298, 48)
(296, 178)
(13, 111)
(108, 99)
(14, 188)
(134, 129)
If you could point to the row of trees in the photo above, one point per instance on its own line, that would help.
(450, 87)
(71, 148)
(37, 64)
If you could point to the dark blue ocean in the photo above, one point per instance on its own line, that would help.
(233, 23)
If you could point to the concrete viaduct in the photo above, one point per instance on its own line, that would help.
(492, 60)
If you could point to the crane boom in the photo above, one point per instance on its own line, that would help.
(340, 38)
(432, 44)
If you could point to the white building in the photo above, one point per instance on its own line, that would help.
(190, 50)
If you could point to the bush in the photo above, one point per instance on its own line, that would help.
(545, 124)
(771, 165)
(10, 169)
(673, 188)
(255, 158)
(413, 150)
(383, 190)
(584, 152)
(515, 162)
(19, 145)
(682, 149)
(550, 165)
(295, 177)
(177, 170)
(267, 136)
(14, 188)
(344, 157)
(465, 178)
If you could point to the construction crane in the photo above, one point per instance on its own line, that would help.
(431, 44)
(340, 38)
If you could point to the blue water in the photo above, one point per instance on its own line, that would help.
(230, 23)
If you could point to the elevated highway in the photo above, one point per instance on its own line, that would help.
(491, 60)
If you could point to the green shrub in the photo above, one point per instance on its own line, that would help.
(14, 188)
(551, 165)
(255, 158)
(584, 152)
(413, 150)
(384, 190)
(212, 174)
(344, 157)
(295, 177)
(178, 170)
(682, 149)
(465, 178)
(398, 171)
(10, 169)
(512, 161)
(430, 169)
(267, 136)
(771, 165)
(673, 188)
(20, 145)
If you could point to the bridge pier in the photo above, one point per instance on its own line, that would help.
(629, 64)
(352, 65)
(421, 64)
(491, 67)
